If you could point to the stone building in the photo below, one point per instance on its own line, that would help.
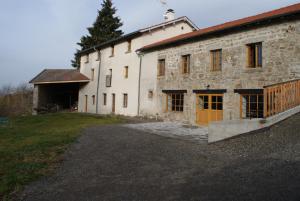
(223, 73)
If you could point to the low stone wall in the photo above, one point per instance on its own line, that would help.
(218, 131)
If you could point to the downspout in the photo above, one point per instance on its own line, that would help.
(140, 55)
(98, 84)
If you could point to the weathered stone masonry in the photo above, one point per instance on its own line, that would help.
(281, 62)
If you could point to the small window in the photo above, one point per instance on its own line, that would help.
(175, 102)
(216, 60)
(254, 55)
(98, 55)
(125, 100)
(161, 67)
(108, 80)
(252, 106)
(92, 74)
(112, 51)
(93, 99)
(126, 72)
(185, 64)
(150, 94)
(87, 58)
(104, 99)
(129, 46)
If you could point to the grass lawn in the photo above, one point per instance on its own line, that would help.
(32, 146)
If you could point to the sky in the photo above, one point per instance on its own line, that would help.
(39, 34)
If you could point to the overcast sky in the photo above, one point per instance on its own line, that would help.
(38, 34)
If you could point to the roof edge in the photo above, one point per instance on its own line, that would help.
(262, 17)
(137, 33)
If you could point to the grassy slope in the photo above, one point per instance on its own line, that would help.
(31, 146)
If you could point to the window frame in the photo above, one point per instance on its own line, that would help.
(161, 67)
(125, 100)
(104, 99)
(216, 60)
(186, 64)
(93, 99)
(92, 74)
(254, 55)
(112, 53)
(126, 72)
(177, 102)
(129, 46)
(259, 113)
(150, 94)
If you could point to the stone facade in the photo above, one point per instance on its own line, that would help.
(281, 62)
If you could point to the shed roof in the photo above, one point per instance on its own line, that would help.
(53, 76)
(278, 13)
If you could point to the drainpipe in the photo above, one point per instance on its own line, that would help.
(140, 55)
(98, 83)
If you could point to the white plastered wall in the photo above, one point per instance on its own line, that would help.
(121, 85)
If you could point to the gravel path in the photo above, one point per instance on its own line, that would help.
(118, 163)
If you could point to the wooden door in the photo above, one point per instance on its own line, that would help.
(113, 103)
(202, 109)
(209, 108)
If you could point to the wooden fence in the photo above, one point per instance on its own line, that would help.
(281, 97)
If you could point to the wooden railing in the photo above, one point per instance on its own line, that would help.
(281, 97)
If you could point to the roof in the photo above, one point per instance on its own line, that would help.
(136, 34)
(52, 76)
(278, 13)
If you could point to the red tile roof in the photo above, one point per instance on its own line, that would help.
(228, 25)
(51, 76)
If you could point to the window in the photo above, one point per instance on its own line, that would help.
(254, 55)
(93, 99)
(161, 67)
(150, 94)
(185, 63)
(252, 105)
(87, 58)
(125, 100)
(126, 72)
(92, 74)
(175, 102)
(112, 51)
(216, 60)
(104, 99)
(109, 78)
(129, 46)
(98, 55)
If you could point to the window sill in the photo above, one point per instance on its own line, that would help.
(256, 69)
(175, 112)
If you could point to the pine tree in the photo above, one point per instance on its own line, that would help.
(105, 28)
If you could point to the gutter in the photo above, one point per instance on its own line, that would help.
(140, 55)
(98, 83)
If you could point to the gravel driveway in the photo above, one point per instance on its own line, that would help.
(120, 163)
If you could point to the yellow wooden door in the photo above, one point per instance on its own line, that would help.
(202, 109)
(209, 108)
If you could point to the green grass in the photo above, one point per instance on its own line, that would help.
(32, 146)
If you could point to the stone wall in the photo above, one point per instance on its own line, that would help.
(281, 62)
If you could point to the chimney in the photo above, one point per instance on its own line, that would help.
(170, 15)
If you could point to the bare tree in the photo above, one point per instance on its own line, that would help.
(15, 101)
